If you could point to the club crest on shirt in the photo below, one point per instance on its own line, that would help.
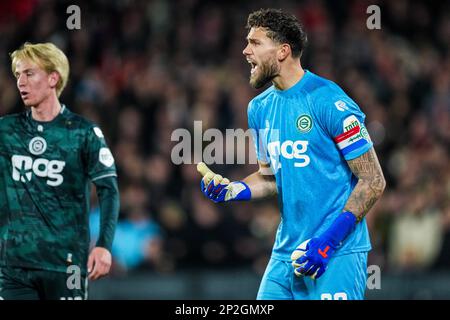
(304, 123)
(365, 133)
(37, 146)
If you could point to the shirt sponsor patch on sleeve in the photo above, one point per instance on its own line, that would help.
(98, 132)
(352, 138)
(105, 157)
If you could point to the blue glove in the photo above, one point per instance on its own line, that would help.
(320, 249)
(219, 189)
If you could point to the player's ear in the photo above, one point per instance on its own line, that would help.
(284, 51)
(53, 79)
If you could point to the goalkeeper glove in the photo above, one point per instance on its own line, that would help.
(219, 189)
(318, 251)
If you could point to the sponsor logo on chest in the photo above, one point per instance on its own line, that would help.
(292, 150)
(25, 167)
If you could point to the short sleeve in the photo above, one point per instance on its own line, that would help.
(344, 121)
(258, 133)
(99, 159)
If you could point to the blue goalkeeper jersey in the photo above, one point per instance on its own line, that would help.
(306, 133)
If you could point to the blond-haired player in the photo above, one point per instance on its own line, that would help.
(49, 156)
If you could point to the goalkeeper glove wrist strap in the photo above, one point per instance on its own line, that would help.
(240, 191)
(341, 228)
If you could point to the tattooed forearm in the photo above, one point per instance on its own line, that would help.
(370, 186)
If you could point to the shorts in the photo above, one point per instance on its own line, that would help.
(34, 284)
(344, 279)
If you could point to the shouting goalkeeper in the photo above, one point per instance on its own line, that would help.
(48, 158)
(311, 137)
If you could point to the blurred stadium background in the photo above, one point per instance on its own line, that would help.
(142, 69)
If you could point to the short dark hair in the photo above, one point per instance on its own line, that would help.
(282, 28)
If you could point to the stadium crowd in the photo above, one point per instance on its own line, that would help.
(142, 69)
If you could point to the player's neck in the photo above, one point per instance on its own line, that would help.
(47, 110)
(289, 76)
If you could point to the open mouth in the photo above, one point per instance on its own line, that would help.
(254, 66)
(24, 94)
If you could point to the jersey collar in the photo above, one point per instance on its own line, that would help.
(41, 125)
(295, 88)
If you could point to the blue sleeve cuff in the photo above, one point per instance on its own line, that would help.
(358, 152)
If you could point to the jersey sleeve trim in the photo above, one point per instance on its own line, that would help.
(104, 176)
(358, 151)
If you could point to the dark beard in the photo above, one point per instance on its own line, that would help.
(267, 72)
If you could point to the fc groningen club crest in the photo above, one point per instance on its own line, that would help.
(37, 146)
(304, 123)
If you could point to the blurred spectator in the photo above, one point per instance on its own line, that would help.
(416, 235)
(137, 242)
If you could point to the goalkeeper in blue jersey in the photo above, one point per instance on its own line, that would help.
(310, 135)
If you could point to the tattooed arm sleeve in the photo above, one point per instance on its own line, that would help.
(370, 186)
